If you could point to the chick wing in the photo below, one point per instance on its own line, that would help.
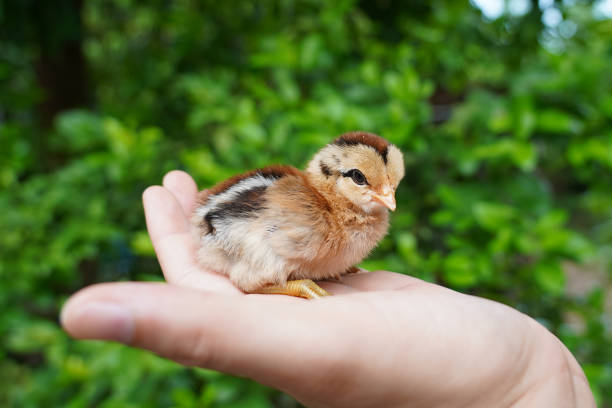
(261, 227)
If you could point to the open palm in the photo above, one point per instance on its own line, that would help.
(383, 339)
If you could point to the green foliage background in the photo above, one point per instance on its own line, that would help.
(506, 127)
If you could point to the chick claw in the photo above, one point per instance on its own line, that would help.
(304, 288)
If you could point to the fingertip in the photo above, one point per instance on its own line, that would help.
(177, 177)
(158, 198)
(100, 310)
(73, 305)
(159, 204)
(84, 295)
(151, 192)
(183, 187)
(70, 306)
(64, 317)
(92, 313)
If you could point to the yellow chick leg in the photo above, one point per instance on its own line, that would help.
(300, 288)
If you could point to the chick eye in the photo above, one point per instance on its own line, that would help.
(357, 176)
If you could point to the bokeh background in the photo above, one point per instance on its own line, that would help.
(503, 110)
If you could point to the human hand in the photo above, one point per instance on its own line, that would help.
(383, 339)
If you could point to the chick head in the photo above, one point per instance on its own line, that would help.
(363, 167)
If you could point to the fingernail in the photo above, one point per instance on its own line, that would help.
(103, 321)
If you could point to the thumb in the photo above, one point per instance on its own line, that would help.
(262, 337)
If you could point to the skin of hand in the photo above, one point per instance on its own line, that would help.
(383, 339)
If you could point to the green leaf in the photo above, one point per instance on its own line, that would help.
(493, 216)
(550, 277)
(522, 153)
(79, 130)
(556, 121)
(460, 271)
(141, 244)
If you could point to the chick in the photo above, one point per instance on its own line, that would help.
(274, 230)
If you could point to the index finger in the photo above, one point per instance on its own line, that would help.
(175, 243)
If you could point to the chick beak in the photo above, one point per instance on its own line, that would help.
(388, 199)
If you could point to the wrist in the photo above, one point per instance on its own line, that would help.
(554, 377)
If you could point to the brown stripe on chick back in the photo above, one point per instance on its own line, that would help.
(270, 172)
(244, 205)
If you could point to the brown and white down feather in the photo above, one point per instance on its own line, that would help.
(278, 223)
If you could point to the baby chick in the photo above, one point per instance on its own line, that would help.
(274, 229)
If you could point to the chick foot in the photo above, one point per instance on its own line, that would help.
(304, 288)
